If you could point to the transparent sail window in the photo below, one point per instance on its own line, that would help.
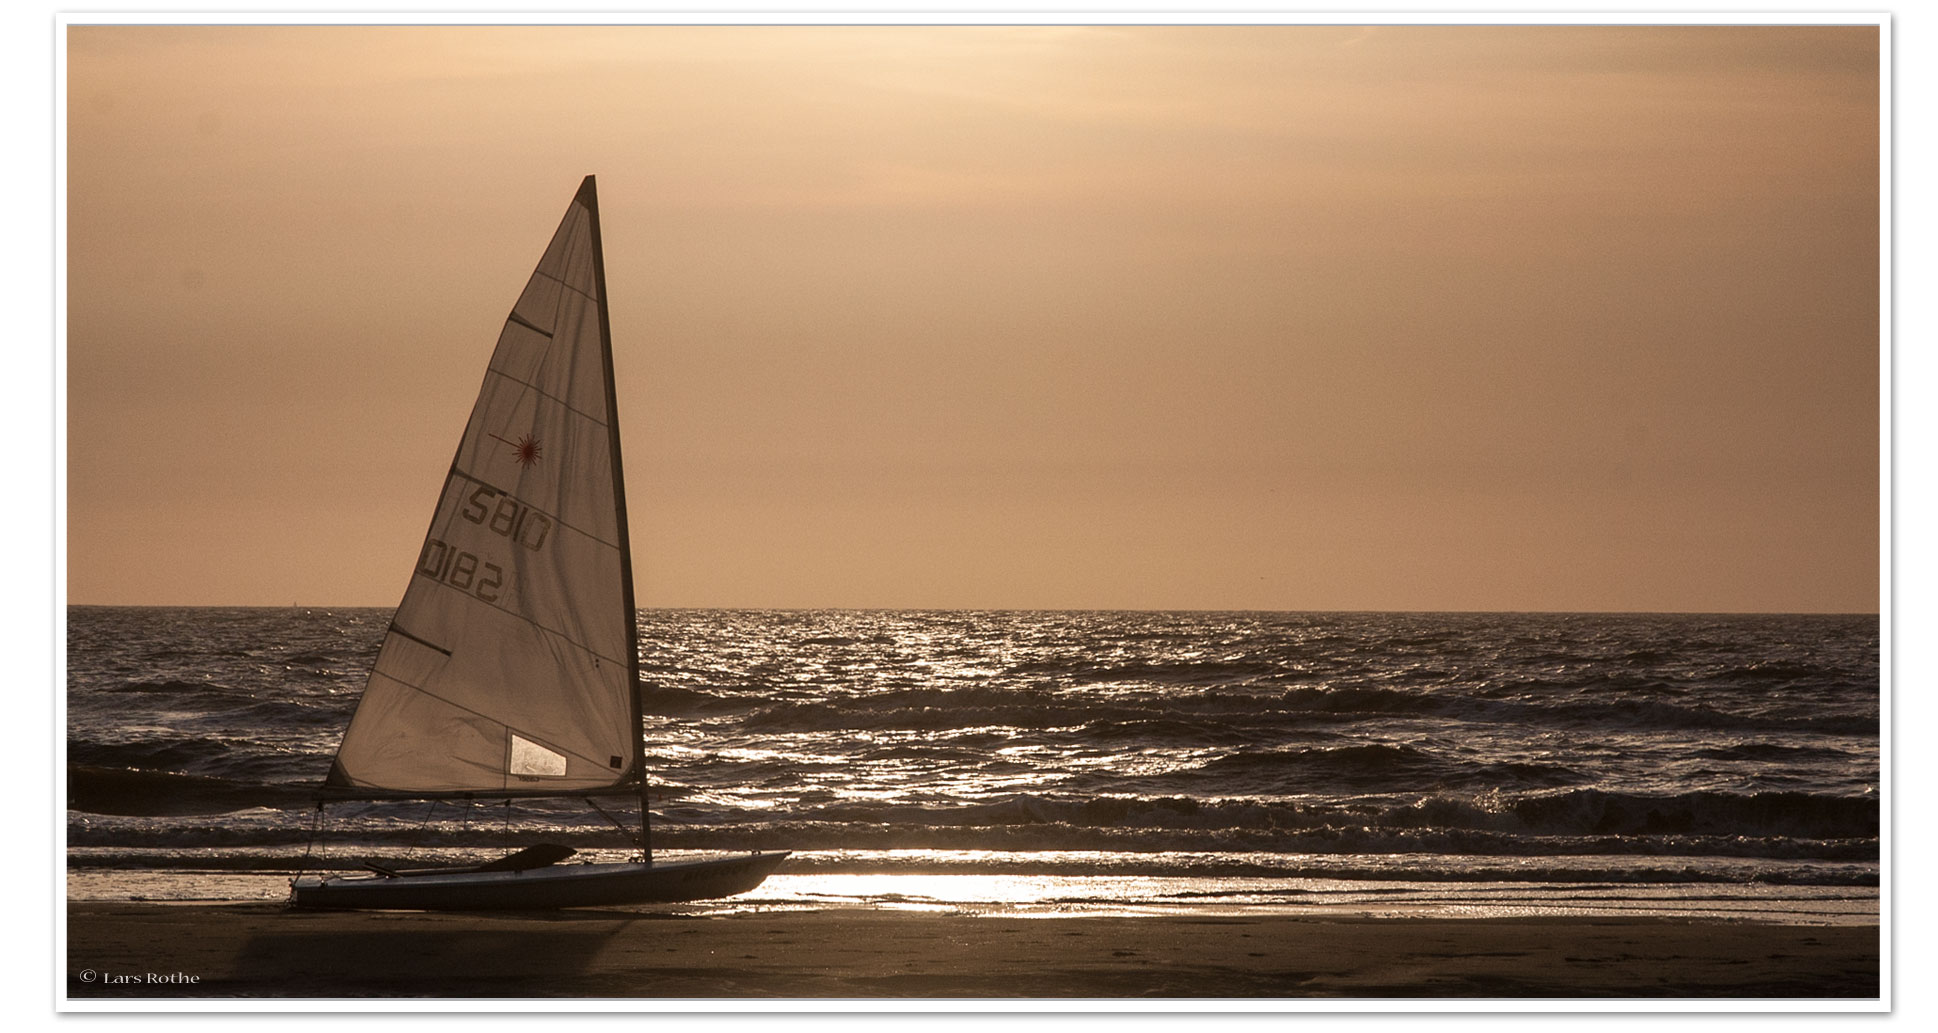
(530, 759)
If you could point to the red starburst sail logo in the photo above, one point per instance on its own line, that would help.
(526, 449)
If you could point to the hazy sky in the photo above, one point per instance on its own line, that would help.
(1534, 318)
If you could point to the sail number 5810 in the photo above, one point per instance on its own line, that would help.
(507, 516)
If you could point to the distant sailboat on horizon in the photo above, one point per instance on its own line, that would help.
(511, 667)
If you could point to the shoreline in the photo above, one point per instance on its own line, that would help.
(206, 952)
(1013, 894)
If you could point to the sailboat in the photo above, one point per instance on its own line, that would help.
(511, 667)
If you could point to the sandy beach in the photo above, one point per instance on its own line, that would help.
(172, 952)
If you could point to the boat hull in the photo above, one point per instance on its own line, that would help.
(540, 889)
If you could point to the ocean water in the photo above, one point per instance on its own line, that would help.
(1058, 762)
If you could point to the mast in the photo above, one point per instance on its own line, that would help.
(589, 194)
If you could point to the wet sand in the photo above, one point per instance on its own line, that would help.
(146, 950)
(159, 951)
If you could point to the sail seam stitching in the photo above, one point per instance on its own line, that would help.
(459, 706)
(560, 635)
(583, 294)
(547, 395)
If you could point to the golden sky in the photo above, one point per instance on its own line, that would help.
(1273, 317)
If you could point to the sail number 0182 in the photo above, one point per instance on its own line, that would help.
(461, 570)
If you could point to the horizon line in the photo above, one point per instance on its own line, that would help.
(1040, 609)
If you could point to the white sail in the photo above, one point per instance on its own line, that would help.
(510, 663)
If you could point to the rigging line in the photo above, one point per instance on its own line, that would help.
(303, 867)
(423, 829)
(458, 471)
(547, 395)
(624, 828)
(600, 765)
